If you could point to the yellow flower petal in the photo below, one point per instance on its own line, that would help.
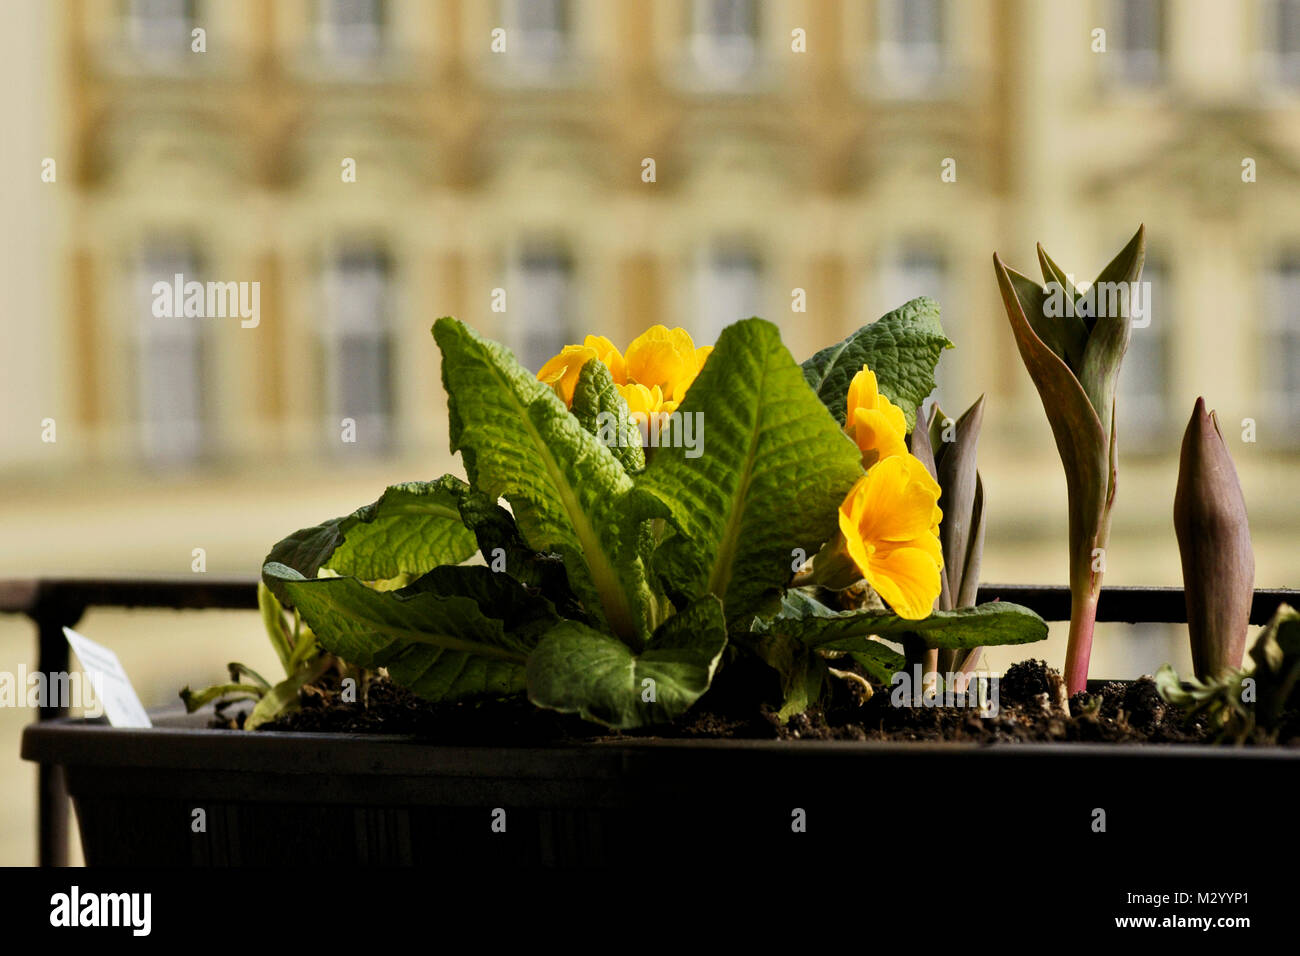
(889, 524)
(877, 434)
(907, 579)
(664, 357)
(561, 372)
(641, 400)
(609, 355)
(875, 424)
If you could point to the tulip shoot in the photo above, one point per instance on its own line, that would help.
(1073, 356)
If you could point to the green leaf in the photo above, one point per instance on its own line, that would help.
(413, 527)
(284, 695)
(458, 631)
(273, 621)
(879, 660)
(990, 624)
(1276, 653)
(566, 489)
(1109, 338)
(773, 470)
(577, 670)
(902, 348)
(498, 537)
(802, 671)
(193, 700)
(962, 529)
(1084, 447)
(239, 671)
(599, 407)
(1066, 332)
(804, 683)
(797, 603)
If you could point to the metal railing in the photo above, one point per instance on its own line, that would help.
(55, 603)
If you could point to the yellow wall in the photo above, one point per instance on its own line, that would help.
(822, 164)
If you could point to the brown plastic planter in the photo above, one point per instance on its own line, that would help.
(334, 799)
(935, 811)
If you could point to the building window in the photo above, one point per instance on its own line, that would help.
(1137, 42)
(913, 55)
(1280, 343)
(724, 39)
(358, 347)
(730, 288)
(538, 34)
(1281, 40)
(910, 271)
(1142, 403)
(540, 304)
(169, 358)
(160, 29)
(351, 30)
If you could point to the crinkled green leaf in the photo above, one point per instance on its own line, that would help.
(902, 348)
(805, 682)
(566, 489)
(798, 603)
(879, 660)
(1276, 654)
(801, 670)
(413, 527)
(773, 470)
(599, 407)
(499, 540)
(458, 631)
(989, 624)
(577, 670)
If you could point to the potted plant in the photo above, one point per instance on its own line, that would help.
(729, 600)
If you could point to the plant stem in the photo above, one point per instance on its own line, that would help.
(1083, 615)
(930, 675)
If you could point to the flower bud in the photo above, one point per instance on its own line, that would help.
(1214, 542)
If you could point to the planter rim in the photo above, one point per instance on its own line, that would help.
(173, 745)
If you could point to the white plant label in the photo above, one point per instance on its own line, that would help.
(122, 706)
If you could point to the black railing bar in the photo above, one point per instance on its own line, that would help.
(1133, 605)
(229, 593)
(1052, 601)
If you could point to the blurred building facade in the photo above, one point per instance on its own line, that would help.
(797, 145)
(499, 154)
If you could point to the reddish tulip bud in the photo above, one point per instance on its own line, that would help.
(1214, 541)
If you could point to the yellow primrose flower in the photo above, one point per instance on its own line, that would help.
(659, 360)
(889, 528)
(561, 372)
(609, 355)
(645, 401)
(664, 357)
(874, 422)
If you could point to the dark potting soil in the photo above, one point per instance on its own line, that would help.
(1031, 706)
